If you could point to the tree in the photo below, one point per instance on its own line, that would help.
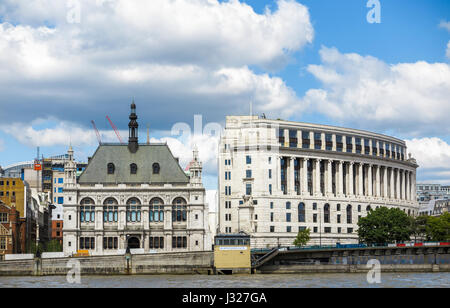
(53, 246)
(419, 227)
(303, 237)
(384, 225)
(438, 228)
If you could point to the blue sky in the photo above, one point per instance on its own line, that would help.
(33, 105)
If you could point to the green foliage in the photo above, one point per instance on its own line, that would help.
(384, 225)
(303, 237)
(53, 246)
(438, 228)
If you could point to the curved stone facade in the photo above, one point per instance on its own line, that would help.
(276, 177)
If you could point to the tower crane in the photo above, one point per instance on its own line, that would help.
(115, 129)
(97, 133)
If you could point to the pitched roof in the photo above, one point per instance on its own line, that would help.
(147, 154)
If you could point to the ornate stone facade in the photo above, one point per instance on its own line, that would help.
(303, 175)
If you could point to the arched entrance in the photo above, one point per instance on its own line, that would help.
(133, 243)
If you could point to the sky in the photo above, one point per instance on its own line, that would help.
(64, 63)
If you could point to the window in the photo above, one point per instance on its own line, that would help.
(326, 213)
(288, 217)
(328, 142)
(349, 214)
(133, 210)
(110, 213)
(349, 230)
(270, 173)
(248, 189)
(3, 217)
(87, 243)
(327, 229)
(271, 205)
(314, 206)
(301, 212)
(305, 140)
(87, 213)
(288, 229)
(133, 169)
(271, 217)
(60, 200)
(156, 242)
(349, 144)
(339, 144)
(2, 243)
(111, 168)
(359, 207)
(339, 229)
(156, 213)
(179, 242)
(179, 210)
(315, 230)
(358, 145)
(317, 141)
(248, 174)
(60, 190)
(288, 205)
(314, 217)
(272, 229)
(110, 243)
(60, 180)
(339, 219)
(270, 188)
(155, 168)
(338, 207)
(248, 159)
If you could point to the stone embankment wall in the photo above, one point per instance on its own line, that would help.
(164, 263)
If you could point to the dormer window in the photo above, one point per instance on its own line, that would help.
(133, 169)
(111, 168)
(156, 168)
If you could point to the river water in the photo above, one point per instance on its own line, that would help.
(388, 280)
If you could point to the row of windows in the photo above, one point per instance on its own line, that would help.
(133, 214)
(314, 230)
(2, 194)
(112, 242)
(383, 148)
(2, 183)
(133, 201)
(2, 243)
(133, 168)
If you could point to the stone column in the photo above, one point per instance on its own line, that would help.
(305, 177)
(408, 191)
(391, 184)
(350, 179)
(413, 186)
(317, 178)
(340, 180)
(377, 181)
(291, 182)
(278, 171)
(329, 178)
(369, 181)
(360, 179)
(397, 195)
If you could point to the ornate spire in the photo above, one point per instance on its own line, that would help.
(133, 128)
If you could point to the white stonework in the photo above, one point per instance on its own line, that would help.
(319, 167)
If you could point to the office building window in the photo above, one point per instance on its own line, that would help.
(301, 212)
(156, 242)
(248, 159)
(248, 174)
(110, 243)
(248, 189)
(288, 205)
(288, 217)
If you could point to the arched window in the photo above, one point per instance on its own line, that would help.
(155, 168)
(87, 210)
(349, 214)
(110, 201)
(133, 210)
(133, 169)
(111, 168)
(368, 209)
(301, 212)
(326, 213)
(179, 209)
(156, 210)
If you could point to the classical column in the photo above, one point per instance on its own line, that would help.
(369, 181)
(317, 178)
(278, 165)
(377, 181)
(413, 186)
(391, 184)
(291, 182)
(360, 179)
(408, 191)
(350, 179)
(340, 180)
(305, 177)
(329, 178)
(397, 195)
(385, 182)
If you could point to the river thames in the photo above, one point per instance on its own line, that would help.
(388, 280)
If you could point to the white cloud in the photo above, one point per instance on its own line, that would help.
(407, 98)
(433, 157)
(445, 25)
(447, 52)
(193, 55)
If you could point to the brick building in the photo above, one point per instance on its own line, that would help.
(12, 230)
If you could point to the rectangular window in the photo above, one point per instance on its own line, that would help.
(329, 142)
(349, 144)
(358, 145)
(248, 159)
(3, 217)
(288, 217)
(327, 229)
(271, 217)
(248, 174)
(248, 189)
(339, 144)
(270, 188)
(60, 180)
(60, 200)
(288, 205)
(349, 230)
(314, 217)
(270, 173)
(288, 229)
(272, 229)
(317, 141)
(305, 140)
(60, 190)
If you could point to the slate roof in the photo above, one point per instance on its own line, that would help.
(118, 154)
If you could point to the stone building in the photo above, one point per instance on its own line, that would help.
(137, 196)
(12, 231)
(278, 177)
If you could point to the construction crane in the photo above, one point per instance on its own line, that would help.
(115, 129)
(97, 133)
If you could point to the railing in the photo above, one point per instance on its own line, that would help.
(270, 255)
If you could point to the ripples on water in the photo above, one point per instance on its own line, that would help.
(388, 280)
